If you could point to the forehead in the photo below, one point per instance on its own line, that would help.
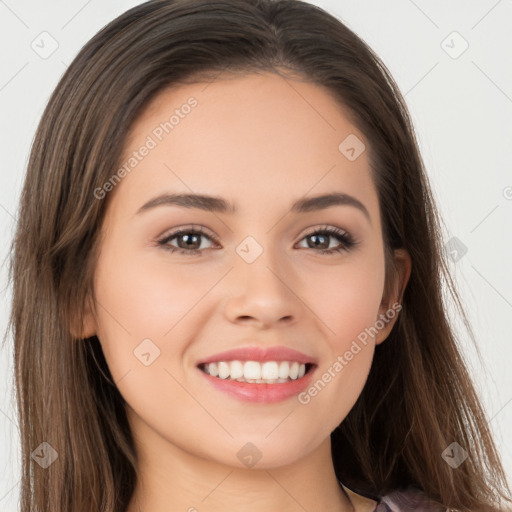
(253, 138)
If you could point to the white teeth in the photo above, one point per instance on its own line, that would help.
(224, 370)
(294, 370)
(212, 369)
(284, 370)
(252, 370)
(269, 372)
(236, 370)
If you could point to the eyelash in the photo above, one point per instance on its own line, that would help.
(346, 240)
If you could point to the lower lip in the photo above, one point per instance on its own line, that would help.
(260, 393)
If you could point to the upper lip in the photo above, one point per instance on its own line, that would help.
(260, 354)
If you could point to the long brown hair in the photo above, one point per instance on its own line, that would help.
(419, 397)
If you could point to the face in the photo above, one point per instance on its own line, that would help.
(263, 274)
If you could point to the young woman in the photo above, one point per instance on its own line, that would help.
(227, 279)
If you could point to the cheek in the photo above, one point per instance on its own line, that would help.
(349, 309)
(139, 308)
(144, 315)
(142, 297)
(347, 298)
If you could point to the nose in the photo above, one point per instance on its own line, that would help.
(264, 294)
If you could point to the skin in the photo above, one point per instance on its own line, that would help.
(262, 142)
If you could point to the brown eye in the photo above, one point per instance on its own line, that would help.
(321, 239)
(189, 241)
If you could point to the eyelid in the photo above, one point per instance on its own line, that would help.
(188, 227)
(322, 227)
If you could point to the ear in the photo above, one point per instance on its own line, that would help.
(89, 325)
(396, 282)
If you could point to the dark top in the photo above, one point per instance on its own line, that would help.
(409, 500)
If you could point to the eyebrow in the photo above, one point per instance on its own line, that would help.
(220, 205)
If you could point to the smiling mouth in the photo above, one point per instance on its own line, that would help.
(254, 372)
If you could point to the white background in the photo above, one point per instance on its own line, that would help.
(461, 108)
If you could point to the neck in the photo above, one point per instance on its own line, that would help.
(171, 478)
